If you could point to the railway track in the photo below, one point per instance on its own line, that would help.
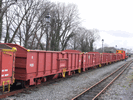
(96, 90)
(25, 90)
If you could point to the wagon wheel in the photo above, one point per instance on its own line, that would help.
(25, 84)
(14, 85)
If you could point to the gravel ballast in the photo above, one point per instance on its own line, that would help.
(68, 88)
(122, 89)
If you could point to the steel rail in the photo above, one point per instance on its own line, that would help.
(29, 88)
(15, 92)
(128, 63)
(112, 81)
(11, 93)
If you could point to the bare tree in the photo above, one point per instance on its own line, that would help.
(84, 39)
(93, 36)
(16, 16)
(63, 23)
(25, 24)
(74, 41)
(4, 6)
(39, 26)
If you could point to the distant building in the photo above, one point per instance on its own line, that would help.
(107, 50)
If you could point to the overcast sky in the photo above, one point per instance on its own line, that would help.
(113, 18)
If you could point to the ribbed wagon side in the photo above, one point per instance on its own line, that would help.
(96, 58)
(91, 59)
(36, 66)
(74, 61)
(113, 57)
(109, 58)
(119, 56)
(106, 58)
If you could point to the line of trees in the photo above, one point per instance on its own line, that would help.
(23, 22)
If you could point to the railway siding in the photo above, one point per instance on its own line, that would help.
(67, 89)
(122, 89)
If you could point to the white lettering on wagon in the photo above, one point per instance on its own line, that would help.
(2, 75)
(6, 74)
(79, 60)
(31, 65)
(31, 57)
(89, 57)
(6, 70)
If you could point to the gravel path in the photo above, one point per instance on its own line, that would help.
(68, 88)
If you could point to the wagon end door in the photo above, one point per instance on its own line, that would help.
(7, 66)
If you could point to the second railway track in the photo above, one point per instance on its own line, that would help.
(96, 90)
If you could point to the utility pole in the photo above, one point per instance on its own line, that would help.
(102, 45)
(47, 17)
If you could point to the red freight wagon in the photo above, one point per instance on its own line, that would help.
(96, 58)
(106, 58)
(85, 62)
(73, 61)
(109, 58)
(113, 57)
(91, 59)
(119, 56)
(7, 65)
(35, 66)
